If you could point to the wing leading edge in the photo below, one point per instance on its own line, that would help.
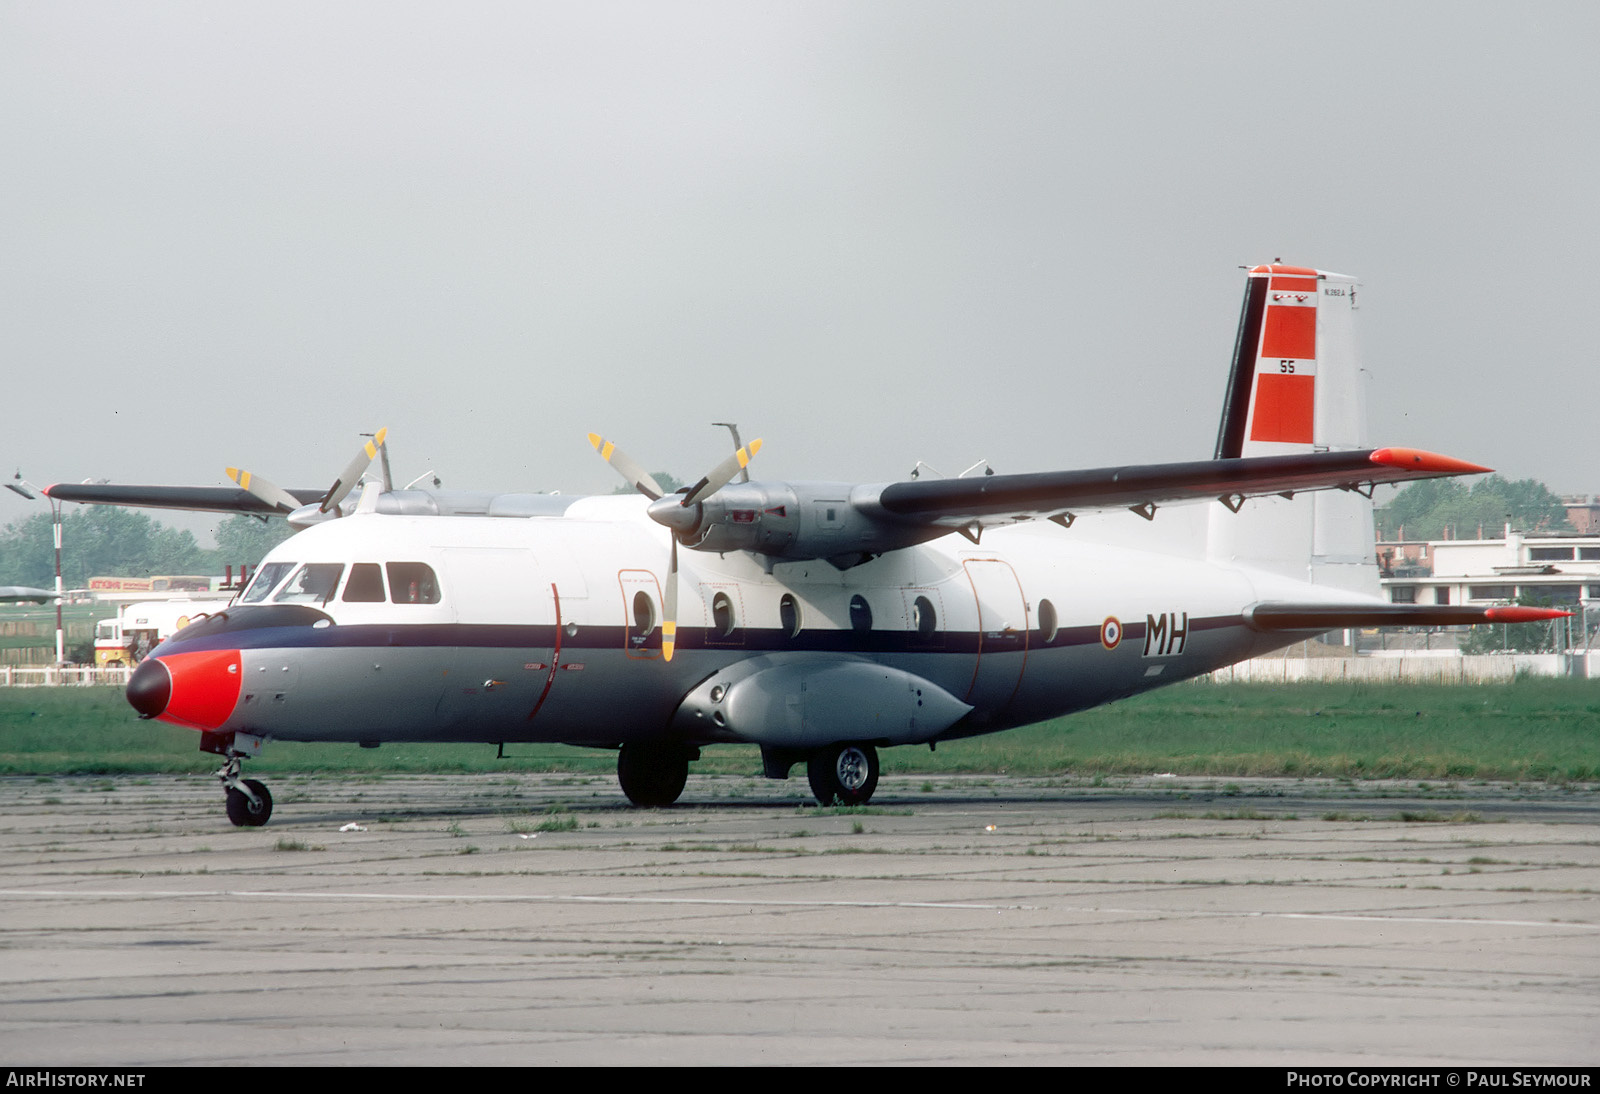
(1141, 487)
(203, 499)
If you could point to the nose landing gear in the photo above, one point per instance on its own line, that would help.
(249, 803)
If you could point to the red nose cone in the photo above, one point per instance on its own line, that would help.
(198, 690)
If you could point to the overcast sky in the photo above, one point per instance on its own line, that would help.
(869, 232)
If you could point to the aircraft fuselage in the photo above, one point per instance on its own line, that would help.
(549, 629)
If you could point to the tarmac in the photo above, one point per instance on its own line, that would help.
(537, 919)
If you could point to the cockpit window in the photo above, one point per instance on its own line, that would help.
(313, 583)
(266, 577)
(412, 583)
(365, 585)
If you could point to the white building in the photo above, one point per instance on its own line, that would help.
(1563, 571)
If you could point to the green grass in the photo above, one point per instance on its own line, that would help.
(1531, 729)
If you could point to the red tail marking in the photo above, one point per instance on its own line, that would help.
(1293, 284)
(1284, 406)
(1290, 332)
(1303, 271)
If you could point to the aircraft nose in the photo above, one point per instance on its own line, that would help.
(149, 688)
(198, 690)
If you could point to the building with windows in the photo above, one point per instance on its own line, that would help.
(1563, 571)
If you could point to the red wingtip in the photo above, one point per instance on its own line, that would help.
(1516, 613)
(1414, 459)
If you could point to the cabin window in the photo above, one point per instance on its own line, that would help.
(644, 615)
(1550, 554)
(789, 616)
(1048, 624)
(412, 583)
(313, 583)
(1402, 594)
(1490, 592)
(923, 617)
(266, 577)
(860, 614)
(722, 618)
(365, 585)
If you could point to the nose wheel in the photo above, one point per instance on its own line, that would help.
(249, 804)
(843, 774)
(248, 800)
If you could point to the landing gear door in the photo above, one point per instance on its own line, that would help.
(1002, 652)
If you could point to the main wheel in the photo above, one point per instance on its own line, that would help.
(845, 774)
(652, 775)
(246, 813)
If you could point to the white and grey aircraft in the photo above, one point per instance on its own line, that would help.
(820, 621)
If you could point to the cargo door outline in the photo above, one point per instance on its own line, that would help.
(646, 646)
(1003, 629)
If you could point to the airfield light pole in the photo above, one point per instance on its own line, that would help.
(22, 486)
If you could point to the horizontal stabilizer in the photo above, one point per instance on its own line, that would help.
(1328, 617)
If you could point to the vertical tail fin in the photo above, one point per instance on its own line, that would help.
(1297, 386)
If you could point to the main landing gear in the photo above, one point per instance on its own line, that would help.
(843, 774)
(652, 774)
(248, 800)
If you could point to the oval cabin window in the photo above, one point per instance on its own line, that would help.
(722, 618)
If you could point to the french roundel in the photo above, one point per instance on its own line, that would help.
(1111, 632)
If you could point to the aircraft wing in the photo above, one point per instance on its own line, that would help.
(1141, 487)
(205, 499)
(12, 594)
(1327, 617)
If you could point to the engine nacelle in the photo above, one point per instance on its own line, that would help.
(790, 521)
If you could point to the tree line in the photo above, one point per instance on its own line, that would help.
(101, 540)
(1449, 509)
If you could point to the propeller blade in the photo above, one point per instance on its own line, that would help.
(722, 474)
(669, 610)
(352, 474)
(640, 479)
(271, 493)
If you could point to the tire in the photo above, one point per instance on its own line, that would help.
(652, 775)
(247, 814)
(843, 774)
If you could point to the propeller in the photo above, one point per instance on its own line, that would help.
(679, 513)
(269, 492)
(352, 473)
(640, 479)
(280, 499)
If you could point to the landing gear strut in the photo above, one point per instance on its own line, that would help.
(652, 774)
(249, 803)
(843, 774)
